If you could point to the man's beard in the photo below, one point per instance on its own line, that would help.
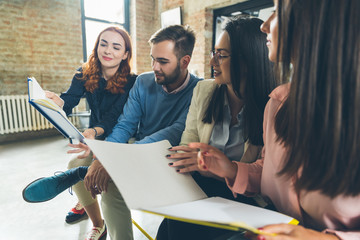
(169, 78)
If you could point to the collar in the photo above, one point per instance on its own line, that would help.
(179, 88)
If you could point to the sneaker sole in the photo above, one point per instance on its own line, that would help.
(23, 193)
(103, 236)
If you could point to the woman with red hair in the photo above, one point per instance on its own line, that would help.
(105, 81)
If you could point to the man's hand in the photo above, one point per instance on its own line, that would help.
(96, 179)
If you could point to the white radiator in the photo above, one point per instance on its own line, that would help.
(17, 115)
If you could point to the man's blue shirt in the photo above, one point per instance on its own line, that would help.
(153, 114)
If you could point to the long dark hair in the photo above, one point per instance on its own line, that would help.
(92, 68)
(319, 122)
(249, 62)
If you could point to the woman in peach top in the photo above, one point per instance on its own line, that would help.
(310, 165)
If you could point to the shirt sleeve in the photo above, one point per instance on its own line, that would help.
(128, 121)
(248, 177)
(190, 133)
(171, 133)
(73, 95)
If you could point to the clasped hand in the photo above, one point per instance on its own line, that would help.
(96, 179)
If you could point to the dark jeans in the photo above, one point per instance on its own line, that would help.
(177, 230)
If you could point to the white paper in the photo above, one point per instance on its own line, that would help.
(142, 174)
(223, 211)
(146, 182)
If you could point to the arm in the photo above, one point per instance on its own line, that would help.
(186, 159)
(73, 95)
(297, 232)
(191, 134)
(247, 177)
(128, 121)
(171, 133)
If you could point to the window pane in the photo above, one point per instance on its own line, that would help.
(110, 10)
(92, 31)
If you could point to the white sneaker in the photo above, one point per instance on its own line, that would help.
(97, 233)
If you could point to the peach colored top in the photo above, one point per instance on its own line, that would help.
(340, 215)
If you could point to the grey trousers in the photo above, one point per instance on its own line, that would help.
(83, 195)
(116, 214)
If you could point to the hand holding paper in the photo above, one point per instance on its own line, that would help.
(213, 160)
(186, 159)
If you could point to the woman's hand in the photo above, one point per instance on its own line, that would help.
(213, 160)
(187, 160)
(96, 179)
(292, 232)
(55, 98)
(89, 133)
(78, 148)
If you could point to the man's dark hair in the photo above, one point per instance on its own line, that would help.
(182, 36)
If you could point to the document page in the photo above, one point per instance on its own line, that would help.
(37, 94)
(224, 211)
(142, 174)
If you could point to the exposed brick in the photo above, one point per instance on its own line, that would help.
(37, 37)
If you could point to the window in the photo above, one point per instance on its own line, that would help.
(97, 15)
(255, 8)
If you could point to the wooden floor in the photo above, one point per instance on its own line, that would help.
(26, 161)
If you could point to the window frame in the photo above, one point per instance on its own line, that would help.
(125, 25)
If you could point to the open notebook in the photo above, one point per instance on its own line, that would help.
(146, 182)
(51, 111)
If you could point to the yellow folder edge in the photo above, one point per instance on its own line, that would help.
(235, 226)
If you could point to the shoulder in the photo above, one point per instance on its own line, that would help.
(207, 83)
(145, 79)
(78, 74)
(194, 79)
(280, 93)
(205, 87)
(277, 97)
(146, 76)
(131, 79)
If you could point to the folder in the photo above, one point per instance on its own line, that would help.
(147, 183)
(51, 111)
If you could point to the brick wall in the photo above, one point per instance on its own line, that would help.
(40, 38)
(144, 22)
